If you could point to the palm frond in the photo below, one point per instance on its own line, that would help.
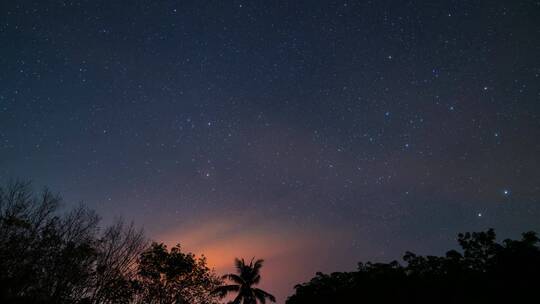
(239, 264)
(237, 300)
(235, 278)
(256, 279)
(263, 295)
(257, 265)
(222, 291)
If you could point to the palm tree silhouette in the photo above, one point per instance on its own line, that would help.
(246, 277)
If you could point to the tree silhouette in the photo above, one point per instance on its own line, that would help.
(173, 277)
(244, 280)
(483, 271)
(47, 256)
(44, 257)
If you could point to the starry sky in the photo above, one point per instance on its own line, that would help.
(314, 134)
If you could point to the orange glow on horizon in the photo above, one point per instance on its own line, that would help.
(292, 254)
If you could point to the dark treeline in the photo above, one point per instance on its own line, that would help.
(49, 256)
(483, 271)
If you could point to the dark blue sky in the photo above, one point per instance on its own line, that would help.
(312, 133)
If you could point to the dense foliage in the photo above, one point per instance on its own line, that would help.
(483, 272)
(174, 277)
(52, 257)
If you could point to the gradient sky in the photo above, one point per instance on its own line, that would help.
(314, 134)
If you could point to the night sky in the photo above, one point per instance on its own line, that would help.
(314, 134)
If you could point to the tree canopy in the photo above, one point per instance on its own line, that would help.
(47, 256)
(483, 271)
(171, 276)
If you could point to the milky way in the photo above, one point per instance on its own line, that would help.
(313, 134)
